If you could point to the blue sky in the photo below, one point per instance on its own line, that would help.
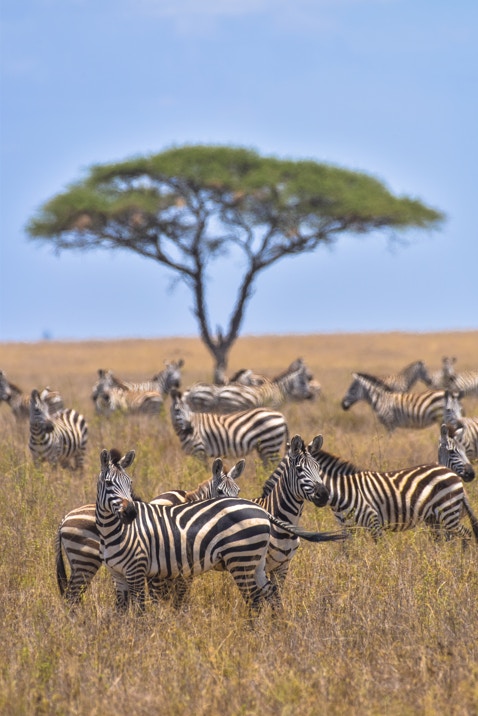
(388, 87)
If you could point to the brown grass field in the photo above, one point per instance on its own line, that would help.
(388, 629)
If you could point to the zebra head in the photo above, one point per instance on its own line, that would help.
(448, 370)
(452, 454)
(453, 409)
(361, 388)
(5, 390)
(224, 483)
(39, 414)
(180, 414)
(306, 472)
(297, 383)
(114, 489)
(422, 372)
(170, 377)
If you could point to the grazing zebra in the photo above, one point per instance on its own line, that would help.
(140, 540)
(206, 435)
(468, 427)
(395, 410)
(78, 537)
(20, 401)
(466, 382)
(110, 392)
(59, 438)
(293, 384)
(402, 381)
(135, 402)
(396, 500)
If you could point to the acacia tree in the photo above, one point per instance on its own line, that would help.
(189, 205)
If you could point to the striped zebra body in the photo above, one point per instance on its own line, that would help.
(111, 393)
(78, 537)
(467, 427)
(396, 500)
(293, 384)
(60, 438)
(19, 401)
(206, 435)
(465, 382)
(402, 381)
(140, 540)
(396, 410)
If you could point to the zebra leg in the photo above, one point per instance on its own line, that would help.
(160, 589)
(181, 591)
(80, 580)
(374, 524)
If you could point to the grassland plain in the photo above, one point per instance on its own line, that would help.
(367, 629)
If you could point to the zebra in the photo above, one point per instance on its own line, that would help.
(466, 382)
(395, 410)
(452, 451)
(292, 384)
(106, 393)
(468, 427)
(140, 540)
(402, 381)
(60, 438)
(206, 435)
(396, 500)
(20, 401)
(136, 402)
(78, 538)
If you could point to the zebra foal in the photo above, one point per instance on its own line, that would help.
(78, 537)
(59, 439)
(140, 540)
(206, 435)
(396, 500)
(395, 410)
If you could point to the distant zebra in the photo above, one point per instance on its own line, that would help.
(206, 435)
(396, 500)
(396, 410)
(59, 438)
(293, 384)
(140, 540)
(135, 402)
(402, 381)
(20, 401)
(466, 382)
(468, 427)
(78, 537)
(111, 393)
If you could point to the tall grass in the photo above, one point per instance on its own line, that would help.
(367, 629)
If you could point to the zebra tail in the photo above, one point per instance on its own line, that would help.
(310, 536)
(473, 518)
(61, 576)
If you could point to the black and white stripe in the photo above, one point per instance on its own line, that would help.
(59, 439)
(251, 392)
(406, 378)
(396, 410)
(19, 401)
(78, 538)
(465, 382)
(467, 427)
(205, 435)
(140, 540)
(396, 500)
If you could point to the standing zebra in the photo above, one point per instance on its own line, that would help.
(395, 410)
(396, 500)
(135, 402)
(236, 435)
(20, 401)
(111, 393)
(78, 535)
(466, 382)
(468, 427)
(293, 384)
(140, 540)
(402, 381)
(59, 438)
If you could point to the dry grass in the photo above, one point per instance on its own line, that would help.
(388, 629)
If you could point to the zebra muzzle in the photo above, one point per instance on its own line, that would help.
(321, 496)
(127, 512)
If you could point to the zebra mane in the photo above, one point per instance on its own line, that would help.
(273, 479)
(377, 382)
(294, 367)
(115, 456)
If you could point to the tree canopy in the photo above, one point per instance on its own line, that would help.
(188, 205)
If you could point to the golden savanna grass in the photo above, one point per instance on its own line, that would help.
(367, 629)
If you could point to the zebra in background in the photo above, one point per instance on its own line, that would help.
(467, 427)
(111, 393)
(136, 402)
(402, 381)
(293, 384)
(59, 438)
(78, 537)
(19, 401)
(396, 500)
(395, 410)
(140, 540)
(205, 435)
(465, 382)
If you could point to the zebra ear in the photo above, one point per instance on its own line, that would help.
(296, 445)
(237, 470)
(316, 444)
(104, 458)
(443, 432)
(217, 467)
(127, 459)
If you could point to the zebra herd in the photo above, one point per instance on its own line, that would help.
(159, 546)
